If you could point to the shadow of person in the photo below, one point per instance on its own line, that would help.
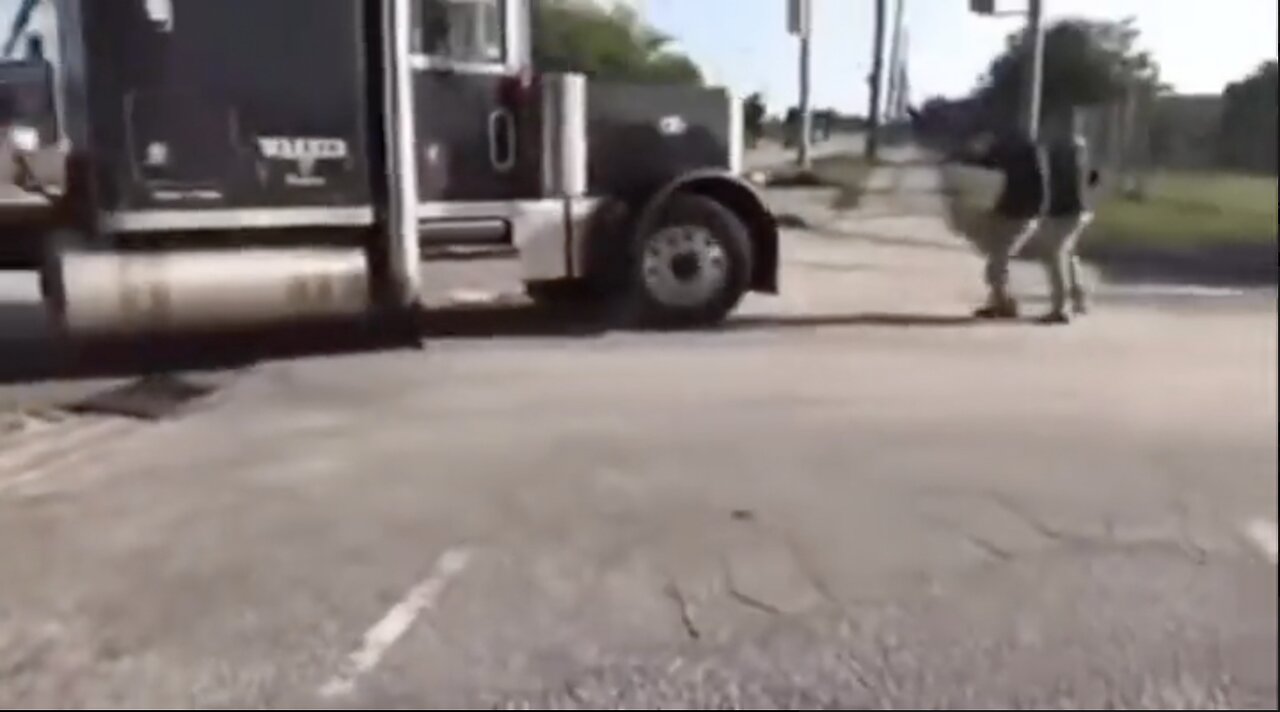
(867, 319)
(526, 322)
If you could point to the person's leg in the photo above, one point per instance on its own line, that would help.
(1075, 275)
(1059, 236)
(1079, 297)
(1005, 235)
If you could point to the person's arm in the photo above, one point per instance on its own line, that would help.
(1043, 168)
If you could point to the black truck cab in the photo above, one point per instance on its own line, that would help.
(243, 160)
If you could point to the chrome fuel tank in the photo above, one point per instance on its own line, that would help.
(119, 293)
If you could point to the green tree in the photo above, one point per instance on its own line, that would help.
(1086, 63)
(1247, 132)
(603, 44)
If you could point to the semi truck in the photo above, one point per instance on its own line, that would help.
(242, 163)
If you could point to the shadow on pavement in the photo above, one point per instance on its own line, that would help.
(1244, 266)
(513, 321)
(37, 355)
(927, 243)
(517, 322)
(33, 360)
(865, 319)
(48, 358)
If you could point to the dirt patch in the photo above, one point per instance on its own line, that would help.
(846, 173)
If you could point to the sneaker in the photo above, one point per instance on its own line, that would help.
(1003, 310)
(1054, 319)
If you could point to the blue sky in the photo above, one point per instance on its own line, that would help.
(1200, 44)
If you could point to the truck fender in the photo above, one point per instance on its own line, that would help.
(739, 196)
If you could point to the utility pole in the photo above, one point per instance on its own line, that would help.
(897, 62)
(800, 24)
(1034, 92)
(876, 81)
(805, 158)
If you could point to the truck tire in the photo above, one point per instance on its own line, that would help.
(692, 265)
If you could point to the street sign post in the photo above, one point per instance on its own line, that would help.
(800, 18)
(1034, 90)
(983, 7)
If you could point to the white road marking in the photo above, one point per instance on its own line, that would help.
(1263, 535)
(1178, 290)
(386, 632)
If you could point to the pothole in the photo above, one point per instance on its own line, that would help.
(148, 398)
(37, 442)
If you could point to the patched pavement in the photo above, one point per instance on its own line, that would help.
(848, 497)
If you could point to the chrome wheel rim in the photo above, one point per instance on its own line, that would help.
(684, 266)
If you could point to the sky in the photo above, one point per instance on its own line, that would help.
(1201, 44)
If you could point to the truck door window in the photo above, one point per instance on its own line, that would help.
(461, 31)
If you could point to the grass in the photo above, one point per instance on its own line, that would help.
(1180, 210)
(1186, 210)
(1211, 224)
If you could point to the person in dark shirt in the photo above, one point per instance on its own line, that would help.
(1015, 217)
(1069, 213)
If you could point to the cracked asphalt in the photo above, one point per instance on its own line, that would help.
(850, 497)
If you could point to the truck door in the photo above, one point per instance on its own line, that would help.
(477, 126)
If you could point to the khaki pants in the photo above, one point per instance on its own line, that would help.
(1004, 237)
(1054, 239)
(1058, 237)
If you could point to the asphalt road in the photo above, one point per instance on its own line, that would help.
(32, 377)
(851, 497)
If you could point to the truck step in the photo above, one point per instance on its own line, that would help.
(463, 253)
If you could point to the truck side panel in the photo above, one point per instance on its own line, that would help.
(643, 136)
(236, 104)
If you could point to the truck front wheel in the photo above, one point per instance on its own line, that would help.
(692, 265)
